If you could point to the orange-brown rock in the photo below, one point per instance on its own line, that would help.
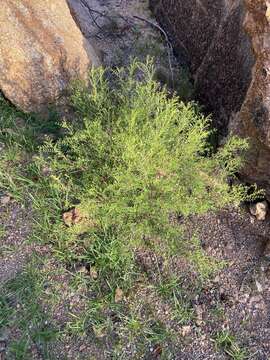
(41, 50)
(253, 119)
(227, 44)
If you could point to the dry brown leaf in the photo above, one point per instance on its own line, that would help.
(72, 217)
(119, 294)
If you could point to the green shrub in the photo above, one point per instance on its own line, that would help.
(133, 162)
(136, 158)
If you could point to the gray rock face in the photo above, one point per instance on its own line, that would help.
(227, 43)
(211, 36)
(41, 50)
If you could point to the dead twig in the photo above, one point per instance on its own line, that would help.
(91, 11)
(169, 44)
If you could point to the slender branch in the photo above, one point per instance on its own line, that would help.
(91, 11)
(169, 45)
(155, 26)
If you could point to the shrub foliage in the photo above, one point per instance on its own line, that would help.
(109, 188)
(136, 158)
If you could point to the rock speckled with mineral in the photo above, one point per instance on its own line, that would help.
(41, 50)
(227, 46)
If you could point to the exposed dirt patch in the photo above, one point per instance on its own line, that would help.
(237, 299)
(15, 223)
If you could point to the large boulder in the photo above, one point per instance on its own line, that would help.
(227, 43)
(41, 50)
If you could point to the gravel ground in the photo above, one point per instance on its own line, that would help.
(15, 222)
(241, 289)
